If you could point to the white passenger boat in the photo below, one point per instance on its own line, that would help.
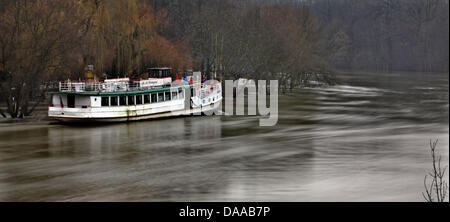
(123, 99)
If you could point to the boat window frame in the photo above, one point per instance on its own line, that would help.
(153, 100)
(174, 95)
(167, 96)
(124, 98)
(162, 96)
(103, 101)
(116, 100)
(140, 96)
(133, 100)
(147, 99)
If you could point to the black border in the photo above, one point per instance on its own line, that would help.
(169, 211)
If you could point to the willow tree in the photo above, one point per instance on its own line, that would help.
(35, 42)
(125, 37)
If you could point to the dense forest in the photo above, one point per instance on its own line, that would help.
(45, 40)
(375, 35)
(385, 35)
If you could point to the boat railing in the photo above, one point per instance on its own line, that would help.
(73, 86)
(209, 90)
(121, 86)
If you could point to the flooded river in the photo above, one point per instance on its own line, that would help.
(365, 139)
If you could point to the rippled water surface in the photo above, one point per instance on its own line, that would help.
(365, 139)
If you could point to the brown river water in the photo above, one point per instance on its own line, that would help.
(365, 139)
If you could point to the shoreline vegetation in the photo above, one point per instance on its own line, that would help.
(435, 183)
(296, 42)
(39, 115)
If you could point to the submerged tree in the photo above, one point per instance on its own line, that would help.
(247, 39)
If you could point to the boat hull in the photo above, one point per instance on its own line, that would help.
(136, 116)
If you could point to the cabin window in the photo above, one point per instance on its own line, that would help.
(114, 101)
(131, 100)
(123, 101)
(180, 94)
(147, 98)
(154, 98)
(167, 96)
(105, 101)
(71, 101)
(160, 97)
(138, 99)
(174, 95)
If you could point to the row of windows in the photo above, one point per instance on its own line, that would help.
(141, 98)
(213, 99)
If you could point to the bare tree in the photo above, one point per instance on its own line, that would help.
(436, 191)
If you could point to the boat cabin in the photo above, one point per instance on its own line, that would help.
(159, 72)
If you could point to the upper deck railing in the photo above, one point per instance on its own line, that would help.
(125, 85)
(96, 87)
(113, 85)
(207, 90)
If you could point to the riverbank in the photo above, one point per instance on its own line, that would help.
(39, 115)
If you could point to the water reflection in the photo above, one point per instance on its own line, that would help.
(152, 159)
